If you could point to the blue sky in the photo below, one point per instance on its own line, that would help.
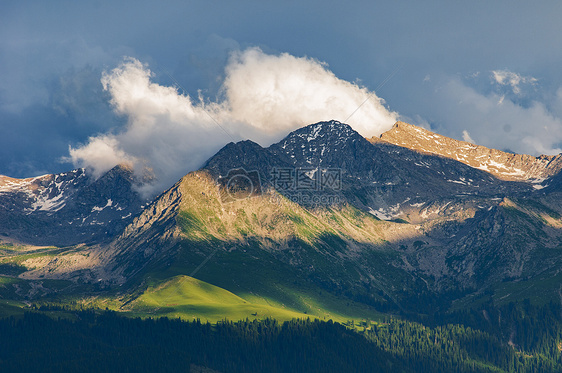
(483, 71)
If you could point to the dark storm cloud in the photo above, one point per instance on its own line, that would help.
(52, 55)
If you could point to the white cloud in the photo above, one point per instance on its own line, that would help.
(466, 137)
(103, 151)
(277, 94)
(531, 129)
(504, 77)
(263, 98)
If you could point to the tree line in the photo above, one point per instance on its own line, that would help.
(517, 337)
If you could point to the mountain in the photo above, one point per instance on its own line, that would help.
(506, 166)
(388, 180)
(439, 261)
(466, 228)
(68, 208)
(321, 219)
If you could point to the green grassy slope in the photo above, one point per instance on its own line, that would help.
(189, 298)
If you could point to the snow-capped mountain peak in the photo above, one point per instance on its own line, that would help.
(67, 208)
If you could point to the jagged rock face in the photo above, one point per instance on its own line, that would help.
(247, 155)
(68, 208)
(388, 180)
(324, 144)
(505, 166)
(148, 238)
(48, 193)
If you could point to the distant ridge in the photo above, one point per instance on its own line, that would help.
(68, 208)
(505, 166)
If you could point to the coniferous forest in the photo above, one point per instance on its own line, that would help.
(518, 337)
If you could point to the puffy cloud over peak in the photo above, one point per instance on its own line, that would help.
(263, 97)
(288, 92)
(100, 154)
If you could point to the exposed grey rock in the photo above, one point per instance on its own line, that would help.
(68, 208)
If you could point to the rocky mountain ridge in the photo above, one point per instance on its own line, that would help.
(68, 208)
(388, 180)
(505, 166)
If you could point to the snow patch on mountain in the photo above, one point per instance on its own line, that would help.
(98, 209)
(44, 203)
